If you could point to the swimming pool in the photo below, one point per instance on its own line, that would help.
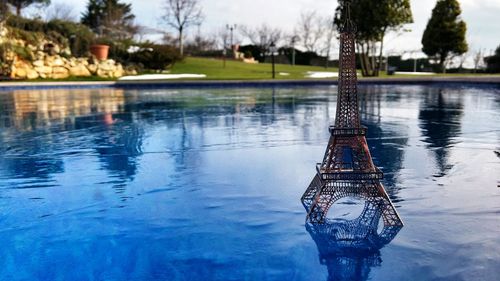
(204, 184)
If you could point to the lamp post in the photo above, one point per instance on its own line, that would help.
(294, 40)
(231, 28)
(272, 48)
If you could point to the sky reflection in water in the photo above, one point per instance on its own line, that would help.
(205, 184)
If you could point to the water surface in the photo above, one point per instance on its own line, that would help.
(204, 184)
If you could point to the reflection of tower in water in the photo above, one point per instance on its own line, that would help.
(350, 249)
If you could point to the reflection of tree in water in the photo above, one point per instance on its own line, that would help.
(26, 153)
(386, 141)
(37, 124)
(440, 120)
(117, 137)
(350, 249)
(118, 144)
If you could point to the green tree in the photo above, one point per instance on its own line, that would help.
(21, 4)
(445, 32)
(110, 18)
(374, 19)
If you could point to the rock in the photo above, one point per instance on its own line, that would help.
(130, 71)
(49, 60)
(57, 49)
(18, 73)
(38, 63)
(83, 61)
(92, 68)
(118, 73)
(59, 75)
(43, 70)
(39, 55)
(31, 74)
(58, 61)
(79, 71)
(72, 62)
(60, 72)
(103, 73)
(20, 68)
(66, 51)
(107, 66)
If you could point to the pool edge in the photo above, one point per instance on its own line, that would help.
(458, 81)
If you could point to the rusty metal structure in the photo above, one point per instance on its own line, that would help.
(347, 169)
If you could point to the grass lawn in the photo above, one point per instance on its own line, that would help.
(236, 70)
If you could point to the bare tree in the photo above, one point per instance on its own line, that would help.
(168, 39)
(142, 31)
(180, 15)
(262, 36)
(223, 38)
(478, 59)
(61, 11)
(330, 33)
(310, 29)
(461, 60)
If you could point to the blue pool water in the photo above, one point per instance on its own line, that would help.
(204, 184)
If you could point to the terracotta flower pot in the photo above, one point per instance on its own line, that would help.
(100, 51)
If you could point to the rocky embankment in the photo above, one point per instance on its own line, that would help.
(48, 60)
(57, 67)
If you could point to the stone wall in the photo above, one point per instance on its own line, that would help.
(57, 67)
(51, 61)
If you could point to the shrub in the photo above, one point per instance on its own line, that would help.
(155, 57)
(22, 52)
(75, 35)
(78, 36)
(34, 25)
(29, 37)
(248, 55)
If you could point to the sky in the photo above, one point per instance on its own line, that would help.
(481, 17)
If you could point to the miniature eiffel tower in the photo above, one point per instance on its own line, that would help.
(347, 169)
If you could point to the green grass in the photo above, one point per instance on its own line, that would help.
(236, 70)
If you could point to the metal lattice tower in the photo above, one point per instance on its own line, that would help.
(347, 169)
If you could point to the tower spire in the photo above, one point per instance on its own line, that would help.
(347, 103)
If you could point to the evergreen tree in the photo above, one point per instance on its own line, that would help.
(110, 18)
(445, 32)
(21, 4)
